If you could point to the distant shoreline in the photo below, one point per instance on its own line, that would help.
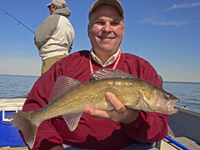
(163, 81)
(18, 75)
(181, 82)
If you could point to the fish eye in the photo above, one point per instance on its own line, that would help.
(167, 96)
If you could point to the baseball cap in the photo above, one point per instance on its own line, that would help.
(115, 3)
(57, 2)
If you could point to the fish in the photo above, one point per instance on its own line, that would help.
(69, 97)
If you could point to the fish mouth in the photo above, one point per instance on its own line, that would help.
(171, 104)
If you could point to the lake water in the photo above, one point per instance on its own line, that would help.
(13, 85)
(188, 93)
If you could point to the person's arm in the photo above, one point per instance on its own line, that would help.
(46, 30)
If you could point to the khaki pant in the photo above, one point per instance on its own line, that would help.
(47, 63)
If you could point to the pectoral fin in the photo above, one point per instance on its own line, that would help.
(72, 120)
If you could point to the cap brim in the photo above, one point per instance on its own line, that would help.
(117, 4)
(48, 4)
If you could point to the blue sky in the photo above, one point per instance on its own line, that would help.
(165, 33)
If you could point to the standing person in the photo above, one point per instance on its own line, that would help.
(121, 128)
(54, 38)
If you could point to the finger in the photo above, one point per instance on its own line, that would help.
(118, 106)
(101, 113)
(96, 112)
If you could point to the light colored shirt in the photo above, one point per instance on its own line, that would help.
(108, 62)
(55, 35)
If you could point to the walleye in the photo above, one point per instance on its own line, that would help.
(69, 97)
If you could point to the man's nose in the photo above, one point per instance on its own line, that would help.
(107, 27)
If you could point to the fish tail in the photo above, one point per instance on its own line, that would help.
(23, 122)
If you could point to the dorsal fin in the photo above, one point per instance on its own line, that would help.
(109, 73)
(61, 85)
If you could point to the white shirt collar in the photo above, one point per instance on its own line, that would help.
(108, 62)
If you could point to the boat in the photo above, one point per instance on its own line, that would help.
(10, 138)
(183, 131)
(183, 128)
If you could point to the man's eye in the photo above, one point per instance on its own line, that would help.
(114, 23)
(99, 23)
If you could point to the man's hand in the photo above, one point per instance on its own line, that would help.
(119, 114)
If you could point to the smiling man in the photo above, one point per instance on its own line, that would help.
(106, 31)
(121, 128)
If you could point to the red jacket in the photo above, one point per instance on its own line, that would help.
(94, 133)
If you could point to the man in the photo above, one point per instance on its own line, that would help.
(121, 128)
(54, 38)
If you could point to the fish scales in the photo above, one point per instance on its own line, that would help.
(94, 95)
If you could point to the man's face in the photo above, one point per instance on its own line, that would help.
(52, 8)
(106, 29)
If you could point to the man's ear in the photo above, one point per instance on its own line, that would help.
(88, 30)
(123, 32)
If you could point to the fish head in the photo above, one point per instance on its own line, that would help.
(164, 102)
